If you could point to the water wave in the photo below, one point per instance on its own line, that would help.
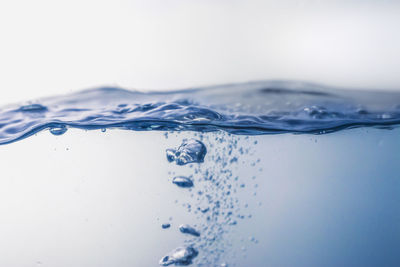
(248, 108)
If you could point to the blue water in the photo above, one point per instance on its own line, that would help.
(212, 186)
(250, 108)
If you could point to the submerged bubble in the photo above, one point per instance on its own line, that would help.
(59, 130)
(204, 209)
(180, 256)
(165, 225)
(187, 229)
(190, 151)
(182, 181)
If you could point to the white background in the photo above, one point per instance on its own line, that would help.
(52, 47)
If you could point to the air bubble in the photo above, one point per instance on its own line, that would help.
(187, 229)
(179, 256)
(182, 181)
(190, 151)
(165, 225)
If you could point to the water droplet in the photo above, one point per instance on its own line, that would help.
(182, 181)
(180, 256)
(187, 229)
(190, 151)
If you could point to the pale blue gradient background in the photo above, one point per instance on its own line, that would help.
(53, 47)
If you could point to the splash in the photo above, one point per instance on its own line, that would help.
(248, 108)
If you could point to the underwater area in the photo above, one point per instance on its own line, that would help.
(275, 173)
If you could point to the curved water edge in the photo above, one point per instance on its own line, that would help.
(253, 108)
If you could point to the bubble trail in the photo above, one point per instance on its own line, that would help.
(215, 204)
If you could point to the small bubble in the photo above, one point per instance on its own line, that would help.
(182, 181)
(165, 225)
(204, 210)
(187, 229)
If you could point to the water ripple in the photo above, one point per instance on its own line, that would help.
(249, 108)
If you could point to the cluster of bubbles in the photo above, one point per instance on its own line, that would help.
(214, 187)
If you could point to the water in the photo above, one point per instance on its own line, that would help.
(200, 180)
(251, 108)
